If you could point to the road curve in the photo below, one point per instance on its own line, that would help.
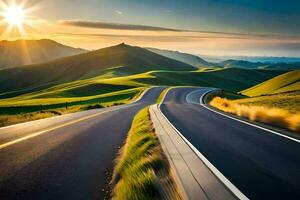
(70, 158)
(261, 164)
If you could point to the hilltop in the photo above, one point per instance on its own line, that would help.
(286, 82)
(26, 52)
(119, 60)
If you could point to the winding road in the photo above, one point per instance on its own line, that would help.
(65, 157)
(71, 156)
(260, 164)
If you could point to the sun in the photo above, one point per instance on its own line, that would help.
(14, 15)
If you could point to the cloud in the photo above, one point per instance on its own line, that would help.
(119, 12)
(208, 34)
(177, 38)
(116, 26)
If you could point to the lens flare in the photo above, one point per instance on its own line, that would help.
(14, 15)
(15, 18)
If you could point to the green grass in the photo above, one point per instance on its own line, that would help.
(116, 61)
(18, 114)
(115, 84)
(142, 171)
(223, 94)
(29, 103)
(99, 88)
(229, 79)
(287, 82)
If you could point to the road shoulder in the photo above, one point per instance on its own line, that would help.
(193, 176)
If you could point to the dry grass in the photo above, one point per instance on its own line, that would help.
(273, 116)
(6, 120)
(162, 95)
(142, 170)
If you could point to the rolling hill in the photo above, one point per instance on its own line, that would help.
(113, 61)
(287, 82)
(240, 64)
(259, 65)
(183, 57)
(25, 52)
(98, 89)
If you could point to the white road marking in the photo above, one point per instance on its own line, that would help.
(32, 135)
(202, 103)
(215, 171)
(7, 144)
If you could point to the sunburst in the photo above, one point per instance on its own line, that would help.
(15, 16)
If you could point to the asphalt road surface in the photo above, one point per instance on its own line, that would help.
(65, 157)
(259, 163)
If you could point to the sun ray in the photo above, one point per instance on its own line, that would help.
(15, 18)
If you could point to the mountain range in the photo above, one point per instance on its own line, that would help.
(183, 57)
(119, 60)
(258, 65)
(29, 52)
(26, 52)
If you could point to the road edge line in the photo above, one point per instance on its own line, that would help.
(35, 134)
(203, 104)
(230, 186)
(135, 101)
(32, 135)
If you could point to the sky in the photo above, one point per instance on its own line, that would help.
(209, 27)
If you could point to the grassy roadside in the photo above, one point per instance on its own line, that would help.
(15, 115)
(142, 170)
(272, 115)
(162, 95)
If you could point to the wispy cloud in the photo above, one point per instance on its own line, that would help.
(177, 38)
(116, 26)
(120, 26)
(119, 12)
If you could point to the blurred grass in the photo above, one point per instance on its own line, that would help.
(289, 101)
(142, 171)
(162, 95)
(257, 112)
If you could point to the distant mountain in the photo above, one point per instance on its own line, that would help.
(119, 60)
(183, 57)
(239, 64)
(286, 66)
(286, 82)
(258, 65)
(261, 59)
(25, 52)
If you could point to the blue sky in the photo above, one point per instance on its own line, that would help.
(247, 16)
(247, 27)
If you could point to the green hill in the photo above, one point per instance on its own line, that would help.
(113, 61)
(259, 65)
(230, 79)
(111, 74)
(287, 82)
(96, 88)
(25, 52)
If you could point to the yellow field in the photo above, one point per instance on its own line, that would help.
(269, 115)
